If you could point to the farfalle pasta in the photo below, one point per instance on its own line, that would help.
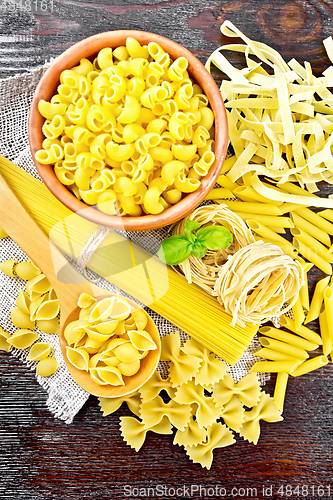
(205, 409)
(247, 390)
(265, 410)
(218, 436)
(106, 340)
(110, 405)
(182, 368)
(154, 410)
(129, 132)
(134, 431)
(211, 368)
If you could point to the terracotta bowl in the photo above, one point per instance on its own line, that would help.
(88, 48)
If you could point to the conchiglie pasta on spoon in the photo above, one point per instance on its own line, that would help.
(110, 345)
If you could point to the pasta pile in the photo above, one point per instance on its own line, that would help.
(203, 403)
(129, 132)
(204, 271)
(280, 125)
(257, 283)
(108, 340)
(37, 306)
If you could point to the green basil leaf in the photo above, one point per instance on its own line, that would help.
(175, 250)
(214, 237)
(190, 226)
(199, 251)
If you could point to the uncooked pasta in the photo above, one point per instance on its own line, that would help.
(258, 282)
(204, 271)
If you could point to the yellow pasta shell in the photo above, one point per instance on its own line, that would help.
(48, 325)
(127, 353)
(96, 336)
(78, 357)
(51, 294)
(4, 346)
(81, 342)
(8, 267)
(129, 369)
(21, 319)
(75, 331)
(38, 285)
(106, 326)
(120, 309)
(141, 319)
(23, 338)
(26, 271)
(115, 343)
(48, 310)
(34, 305)
(120, 330)
(39, 351)
(112, 361)
(96, 378)
(142, 340)
(23, 302)
(47, 367)
(85, 300)
(3, 233)
(111, 375)
(94, 360)
(85, 312)
(101, 310)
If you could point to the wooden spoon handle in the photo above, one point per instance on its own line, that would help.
(19, 225)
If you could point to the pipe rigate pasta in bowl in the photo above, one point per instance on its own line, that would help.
(129, 128)
(111, 346)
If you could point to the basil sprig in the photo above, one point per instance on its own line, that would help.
(195, 241)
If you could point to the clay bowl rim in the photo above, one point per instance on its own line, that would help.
(149, 363)
(47, 88)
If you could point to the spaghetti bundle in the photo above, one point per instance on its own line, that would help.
(204, 271)
(258, 282)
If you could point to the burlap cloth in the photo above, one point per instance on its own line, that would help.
(65, 397)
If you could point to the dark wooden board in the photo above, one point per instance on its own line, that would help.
(41, 457)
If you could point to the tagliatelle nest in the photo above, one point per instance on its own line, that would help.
(204, 271)
(257, 283)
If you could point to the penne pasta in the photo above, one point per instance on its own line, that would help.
(303, 331)
(317, 300)
(312, 256)
(309, 228)
(247, 193)
(288, 338)
(288, 207)
(315, 219)
(287, 249)
(283, 347)
(272, 355)
(267, 220)
(309, 366)
(327, 342)
(298, 312)
(219, 194)
(308, 240)
(280, 389)
(274, 366)
(255, 208)
(328, 301)
(264, 231)
(327, 214)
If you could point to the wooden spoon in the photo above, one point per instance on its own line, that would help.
(18, 224)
